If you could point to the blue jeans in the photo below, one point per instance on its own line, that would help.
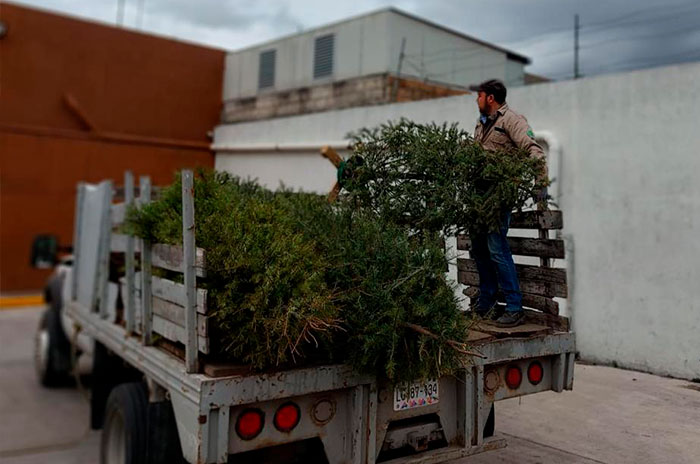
(496, 267)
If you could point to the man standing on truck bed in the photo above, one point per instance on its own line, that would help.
(500, 129)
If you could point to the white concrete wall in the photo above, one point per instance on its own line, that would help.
(630, 191)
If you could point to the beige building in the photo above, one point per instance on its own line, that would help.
(355, 62)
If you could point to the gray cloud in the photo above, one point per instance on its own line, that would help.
(614, 35)
(224, 14)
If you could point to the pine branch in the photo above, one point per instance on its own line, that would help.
(459, 347)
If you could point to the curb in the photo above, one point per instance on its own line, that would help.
(10, 302)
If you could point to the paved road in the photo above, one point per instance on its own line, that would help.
(612, 416)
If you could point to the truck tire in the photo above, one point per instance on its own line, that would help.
(108, 371)
(52, 360)
(490, 426)
(124, 435)
(163, 440)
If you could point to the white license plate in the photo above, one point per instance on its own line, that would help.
(415, 395)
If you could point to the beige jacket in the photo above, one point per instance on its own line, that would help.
(509, 130)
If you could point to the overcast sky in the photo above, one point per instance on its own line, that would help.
(615, 35)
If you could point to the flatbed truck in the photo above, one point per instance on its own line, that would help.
(158, 397)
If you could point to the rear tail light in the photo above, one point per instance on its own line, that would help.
(287, 417)
(535, 372)
(250, 423)
(513, 377)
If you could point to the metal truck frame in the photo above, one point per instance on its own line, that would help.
(353, 416)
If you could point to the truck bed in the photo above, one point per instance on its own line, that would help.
(367, 422)
(204, 404)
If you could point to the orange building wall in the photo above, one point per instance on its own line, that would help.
(82, 101)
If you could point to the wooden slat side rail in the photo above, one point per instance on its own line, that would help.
(170, 257)
(541, 247)
(173, 292)
(176, 315)
(119, 192)
(175, 333)
(129, 255)
(525, 271)
(189, 260)
(103, 250)
(118, 214)
(543, 303)
(119, 244)
(537, 220)
(173, 312)
(146, 264)
(539, 284)
(547, 289)
(559, 323)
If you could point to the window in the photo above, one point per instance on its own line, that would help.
(323, 56)
(266, 73)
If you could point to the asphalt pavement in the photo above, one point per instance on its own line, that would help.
(613, 416)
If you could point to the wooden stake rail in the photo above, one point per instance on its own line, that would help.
(539, 284)
(155, 305)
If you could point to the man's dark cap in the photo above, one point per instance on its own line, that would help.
(492, 87)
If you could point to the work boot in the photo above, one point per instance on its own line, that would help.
(511, 319)
(485, 313)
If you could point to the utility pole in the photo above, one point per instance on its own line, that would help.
(120, 12)
(576, 28)
(395, 89)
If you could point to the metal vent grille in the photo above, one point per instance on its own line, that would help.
(266, 75)
(323, 56)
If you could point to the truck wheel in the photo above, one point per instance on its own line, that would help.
(163, 439)
(125, 427)
(490, 425)
(51, 351)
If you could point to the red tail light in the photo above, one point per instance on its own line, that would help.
(513, 377)
(287, 417)
(535, 372)
(250, 423)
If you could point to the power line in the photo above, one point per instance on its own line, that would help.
(642, 37)
(666, 8)
(621, 20)
(649, 61)
(466, 68)
(468, 52)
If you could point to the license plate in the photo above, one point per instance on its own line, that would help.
(415, 395)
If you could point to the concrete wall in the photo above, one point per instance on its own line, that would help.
(85, 101)
(628, 187)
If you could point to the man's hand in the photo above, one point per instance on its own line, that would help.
(540, 197)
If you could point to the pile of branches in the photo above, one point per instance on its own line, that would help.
(292, 279)
(295, 280)
(435, 178)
